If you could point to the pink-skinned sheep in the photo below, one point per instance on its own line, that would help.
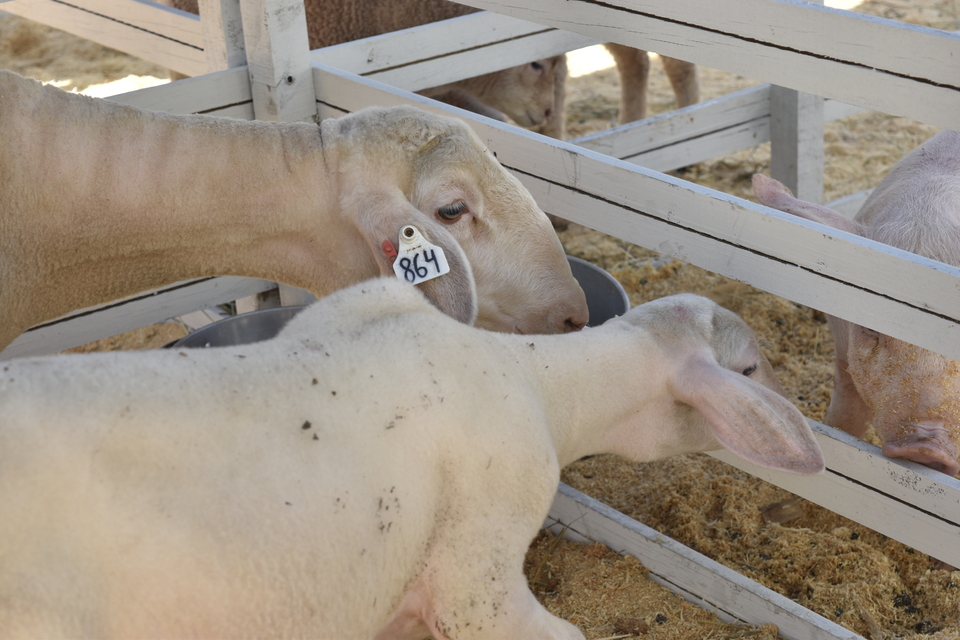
(345, 479)
(102, 201)
(910, 395)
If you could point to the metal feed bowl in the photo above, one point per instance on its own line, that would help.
(605, 299)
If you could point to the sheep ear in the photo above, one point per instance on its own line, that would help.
(382, 217)
(774, 194)
(749, 419)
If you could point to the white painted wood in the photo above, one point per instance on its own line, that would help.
(904, 500)
(107, 320)
(278, 59)
(291, 296)
(222, 27)
(709, 129)
(447, 51)
(689, 123)
(695, 577)
(796, 142)
(861, 60)
(148, 16)
(892, 291)
(438, 39)
(185, 58)
(211, 93)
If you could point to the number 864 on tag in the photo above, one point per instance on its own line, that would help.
(418, 260)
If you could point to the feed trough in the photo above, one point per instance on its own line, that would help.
(606, 299)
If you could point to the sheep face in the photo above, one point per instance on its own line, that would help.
(523, 280)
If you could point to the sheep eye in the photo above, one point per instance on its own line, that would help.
(452, 211)
(536, 65)
(749, 370)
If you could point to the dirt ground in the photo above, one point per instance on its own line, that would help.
(864, 581)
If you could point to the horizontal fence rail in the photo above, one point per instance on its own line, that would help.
(163, 35)
(131, 313)
(870, 62)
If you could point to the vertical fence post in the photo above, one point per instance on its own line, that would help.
(796, 140)
(278, 55)
(222, 34)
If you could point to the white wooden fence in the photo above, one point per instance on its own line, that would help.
(854, 61)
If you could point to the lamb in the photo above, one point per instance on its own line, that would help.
(345, 479)
(909, 394)
(102, 201)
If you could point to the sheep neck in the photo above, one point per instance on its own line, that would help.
(593, 387)
(156, 199)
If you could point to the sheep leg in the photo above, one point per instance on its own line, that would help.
(633, 67)
(685, 80)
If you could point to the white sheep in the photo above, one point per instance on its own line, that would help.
(532, 95)
(376, 471)
(102, 201)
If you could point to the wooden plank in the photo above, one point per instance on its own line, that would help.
(278, 58)
(904, 500)
(138, 311)
(892, 291)
(151, 17)
(222, 27)
(211, 93)
(856, 59)
(427, 56)
(185, 58)
(709, 129)
(457, 66)
(796, 142)
(698, 579)
(683, 125)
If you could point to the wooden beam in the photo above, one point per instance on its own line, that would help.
(184, 55)
(878, 64)
(904, 500)
(222, 26)
(450, 50)
(278, 59)
(131, 313)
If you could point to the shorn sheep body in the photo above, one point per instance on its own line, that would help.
(99, 201)
(347, 479)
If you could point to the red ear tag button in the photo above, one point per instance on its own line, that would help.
(389, 251)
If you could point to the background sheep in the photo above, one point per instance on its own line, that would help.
(532, 95)
(343, 480)
(101, 201)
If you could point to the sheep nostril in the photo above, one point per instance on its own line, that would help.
(570, 325)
